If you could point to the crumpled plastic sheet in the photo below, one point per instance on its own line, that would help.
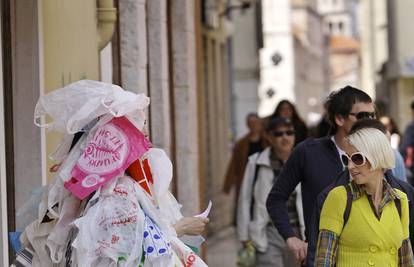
(57, 239)
(74, 106)
(57, 192)
(29, 211)
(161, 169)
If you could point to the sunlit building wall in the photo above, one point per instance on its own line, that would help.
(276, 56)
(397, 76)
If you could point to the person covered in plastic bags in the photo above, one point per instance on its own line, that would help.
(108, 204)
(255, 229)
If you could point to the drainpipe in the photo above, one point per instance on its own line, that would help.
(106, 21)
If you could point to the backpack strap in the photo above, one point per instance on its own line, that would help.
(256, 173)
(398, 206)
(348, 206)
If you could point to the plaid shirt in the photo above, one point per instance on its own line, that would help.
(277, 165)
(328, 241)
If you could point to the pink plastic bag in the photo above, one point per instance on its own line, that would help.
(113, 147)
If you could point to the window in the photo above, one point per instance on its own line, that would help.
(341, 27)
(330, 26)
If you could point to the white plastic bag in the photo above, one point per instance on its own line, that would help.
(56, 191)
(57, 239)
(169, 208)
(112, 229)
(74, 106)
(161, 169)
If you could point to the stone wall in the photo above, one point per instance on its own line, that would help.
(311, 63)
(157, 46)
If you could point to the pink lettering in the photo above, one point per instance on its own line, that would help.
(125, 221)
(102, 132)
(115, 140)
(190, 260)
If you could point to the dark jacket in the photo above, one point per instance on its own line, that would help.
(407, 139)
(343, 179)
(316, 164)
(237, 164)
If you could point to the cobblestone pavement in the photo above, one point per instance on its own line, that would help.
(222, 248)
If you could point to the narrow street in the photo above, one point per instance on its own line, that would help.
(133, 113)
(222, 248)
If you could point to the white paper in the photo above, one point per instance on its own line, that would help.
(206, 212)
(197, 240)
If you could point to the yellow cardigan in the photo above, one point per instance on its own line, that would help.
(365, 240)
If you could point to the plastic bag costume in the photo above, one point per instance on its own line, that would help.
(109, 203)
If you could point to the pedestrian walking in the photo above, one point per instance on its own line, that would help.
(376, 231)
(251, 143)
(392, 128)
(399, 170)
(262, 171)
(407, 145)
(323, 127)
(393, 135)
(316, 163)
(287, 110)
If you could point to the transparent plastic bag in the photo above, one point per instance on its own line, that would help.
(74, 106)
(111, 228)
(246, 257)
(28, 213)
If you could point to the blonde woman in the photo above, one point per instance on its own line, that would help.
(376, 233)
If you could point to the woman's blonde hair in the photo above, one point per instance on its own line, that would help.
(375, 146)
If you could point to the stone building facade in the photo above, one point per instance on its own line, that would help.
(311, 48)
(396, 83)
(175, 51)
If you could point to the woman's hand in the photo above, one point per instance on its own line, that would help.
(190, 225)
(55, 167)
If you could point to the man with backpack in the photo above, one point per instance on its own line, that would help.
(344, 180)
(316, 163)
(254, 224)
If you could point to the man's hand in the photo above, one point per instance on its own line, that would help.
(190, 225)
(298, 248)
(244, 243)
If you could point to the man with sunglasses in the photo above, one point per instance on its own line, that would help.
(262, 171)
(316, 163)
